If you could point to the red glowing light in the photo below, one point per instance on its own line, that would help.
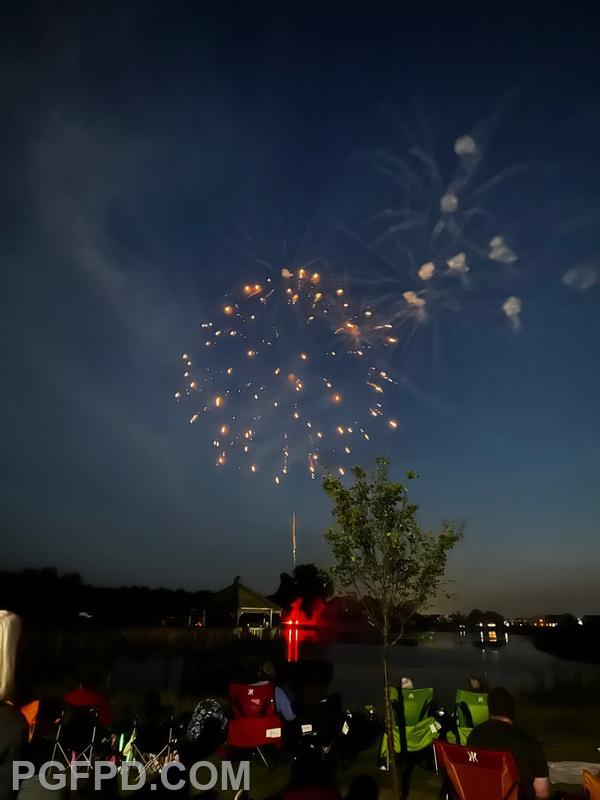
(300, 627)
(298, 617)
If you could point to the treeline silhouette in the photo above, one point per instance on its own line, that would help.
(45, 596)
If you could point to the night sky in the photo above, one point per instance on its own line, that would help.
(157, 155)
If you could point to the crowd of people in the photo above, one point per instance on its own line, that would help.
(202, 732)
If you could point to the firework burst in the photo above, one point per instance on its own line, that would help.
(436, 258)
(290, 370)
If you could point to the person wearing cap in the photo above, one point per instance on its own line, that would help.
(266, 674)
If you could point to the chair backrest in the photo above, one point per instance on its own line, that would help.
(471, 708)
(591, 785)
(153, 727)
(30, 712)
(252, 702)
(475, 773)
(417, 703)
(78, 728)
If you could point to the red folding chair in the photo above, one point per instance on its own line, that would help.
(254, 723)
(472, 774)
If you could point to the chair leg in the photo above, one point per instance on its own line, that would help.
(263, 757)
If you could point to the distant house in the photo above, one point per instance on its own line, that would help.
(546, 621)
(239, 607)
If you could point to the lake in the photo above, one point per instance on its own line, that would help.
(444, 661)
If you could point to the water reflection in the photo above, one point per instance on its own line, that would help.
(489, 639)
(294, 636)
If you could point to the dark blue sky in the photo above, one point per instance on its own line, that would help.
(142, 141)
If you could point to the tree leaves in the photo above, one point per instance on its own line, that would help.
(381, 550)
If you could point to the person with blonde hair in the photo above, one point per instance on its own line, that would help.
(13, 725)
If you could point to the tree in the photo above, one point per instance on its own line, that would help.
(308, 582)
(384, 555)
(475, 617)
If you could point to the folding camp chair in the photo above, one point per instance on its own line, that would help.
(591, 786)
(254, 724)
(320, 723)
(359, 732)
(470, 710)
(152, 742)
(43, 718)
(472, 774)
(76, 735)
(331, 732)
(414, 728)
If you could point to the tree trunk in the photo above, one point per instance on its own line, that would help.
(392, 762)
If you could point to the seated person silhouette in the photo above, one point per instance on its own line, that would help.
(500, 733)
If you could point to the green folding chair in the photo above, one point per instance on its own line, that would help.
(470, 710)
(413, 728)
